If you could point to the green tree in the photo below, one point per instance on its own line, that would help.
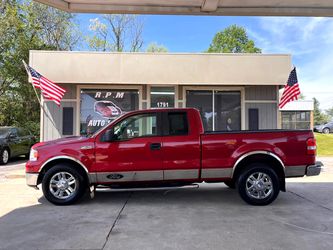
(329, 113)
(232, 39)
(22, 28)
(116, 33)
(156, 48)
(318, 116)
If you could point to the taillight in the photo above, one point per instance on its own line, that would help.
(311, 146)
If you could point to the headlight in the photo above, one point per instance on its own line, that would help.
(33, 155)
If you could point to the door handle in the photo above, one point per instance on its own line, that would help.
(155, 146)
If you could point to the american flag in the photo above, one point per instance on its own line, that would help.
(291, 89)
(50, 90)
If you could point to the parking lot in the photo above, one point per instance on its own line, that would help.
(210, 217)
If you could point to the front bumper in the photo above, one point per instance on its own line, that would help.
(31, 179)
(315, 169)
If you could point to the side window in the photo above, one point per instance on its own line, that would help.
(13, 132)
(67, 120)
(20, 132)
(136, 126)
(177, 123)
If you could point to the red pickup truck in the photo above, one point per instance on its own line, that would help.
(169, 147)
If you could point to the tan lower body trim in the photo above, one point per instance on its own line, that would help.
(211, 173)
(294, 171)
(154, 175)
(181, 174)
(159, 175)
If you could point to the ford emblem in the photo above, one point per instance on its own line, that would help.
(114, 176)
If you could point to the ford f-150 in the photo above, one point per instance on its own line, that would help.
(166, 147)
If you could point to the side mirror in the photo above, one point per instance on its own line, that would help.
(109, 136)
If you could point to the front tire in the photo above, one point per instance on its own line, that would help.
(258, 185)
(4, 156)
(63, 185)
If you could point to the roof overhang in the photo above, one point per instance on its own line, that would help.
(199, 7)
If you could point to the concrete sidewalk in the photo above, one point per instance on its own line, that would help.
(211, 217)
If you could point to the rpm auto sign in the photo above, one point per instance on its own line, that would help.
(99, 107)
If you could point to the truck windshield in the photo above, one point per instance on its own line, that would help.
(99, 130)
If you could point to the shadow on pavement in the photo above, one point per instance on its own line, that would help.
(208, 217)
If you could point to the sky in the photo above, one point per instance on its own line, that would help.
(308, 39)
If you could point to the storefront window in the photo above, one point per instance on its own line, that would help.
(296, 119)
(162, 97)
(203, 101)
(227, 109)
(101, 106)
(226, 105)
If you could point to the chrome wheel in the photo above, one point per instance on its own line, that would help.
(5, 156)
(63, 185)
(259, 185)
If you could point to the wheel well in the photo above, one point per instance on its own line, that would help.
(261, 158)
(68, 162)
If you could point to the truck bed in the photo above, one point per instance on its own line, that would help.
(223, 147)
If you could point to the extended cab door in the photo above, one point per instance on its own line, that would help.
(180, 146)
(134, 153)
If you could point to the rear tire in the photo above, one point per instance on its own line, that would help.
(4, 156)
(258, 184)
(63, 185)
(326, 130)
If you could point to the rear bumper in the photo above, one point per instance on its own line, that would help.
(31, 179)
(315, 169)
(301, 170)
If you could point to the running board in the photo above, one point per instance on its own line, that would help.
(108, 189)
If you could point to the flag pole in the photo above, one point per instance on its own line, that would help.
(26, 68)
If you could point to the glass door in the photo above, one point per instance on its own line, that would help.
(202, 100)
(227, 107)
(220, 110)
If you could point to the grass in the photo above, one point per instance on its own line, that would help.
(324, 144)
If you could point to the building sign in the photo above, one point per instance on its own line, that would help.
(100, 106)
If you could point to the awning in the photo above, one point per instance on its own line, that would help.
(199, 7)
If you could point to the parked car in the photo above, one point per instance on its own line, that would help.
(325, 128)
(169, 147)
(14, 142)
